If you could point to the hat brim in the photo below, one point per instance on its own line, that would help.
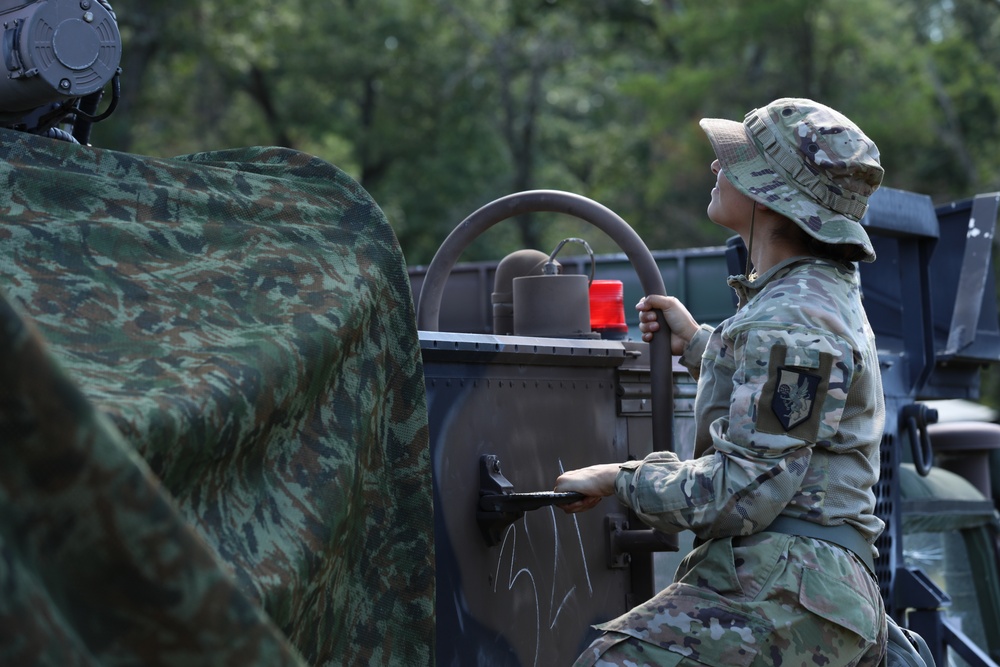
(752, 175)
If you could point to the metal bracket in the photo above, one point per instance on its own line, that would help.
(913, 589)
(622, 542)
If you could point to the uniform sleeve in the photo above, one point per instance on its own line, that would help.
(789, 392)
(691, 358)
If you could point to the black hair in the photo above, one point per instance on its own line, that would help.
(837, 252)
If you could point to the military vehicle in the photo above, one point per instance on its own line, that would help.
(542, 404)
(236, 430)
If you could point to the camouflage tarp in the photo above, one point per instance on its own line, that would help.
(213, 431)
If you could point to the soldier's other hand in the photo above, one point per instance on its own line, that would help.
(595, 482)
(679, 320)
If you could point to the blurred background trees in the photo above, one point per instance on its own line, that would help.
(439, 106)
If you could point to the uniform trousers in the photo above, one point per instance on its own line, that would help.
(769, 599)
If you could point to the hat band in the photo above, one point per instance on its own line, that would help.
(774, 154)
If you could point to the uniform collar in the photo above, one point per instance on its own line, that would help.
(747, 287)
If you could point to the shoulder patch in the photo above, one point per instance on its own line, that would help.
(794, 396)
(791, 401)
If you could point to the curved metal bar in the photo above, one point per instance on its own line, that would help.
(915, 418)
(556, 201)
(593, 264)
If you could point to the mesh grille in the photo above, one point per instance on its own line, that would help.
(886, 504)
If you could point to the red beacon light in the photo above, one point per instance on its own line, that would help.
(607, 309)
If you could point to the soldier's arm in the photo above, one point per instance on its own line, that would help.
(789, 393)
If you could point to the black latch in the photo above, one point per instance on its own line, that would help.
(499, 506)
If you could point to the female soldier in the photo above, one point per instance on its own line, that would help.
(789, 415)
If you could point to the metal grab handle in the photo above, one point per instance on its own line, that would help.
(916, 417)
(556, 201)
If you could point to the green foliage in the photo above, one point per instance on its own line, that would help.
(438, 106)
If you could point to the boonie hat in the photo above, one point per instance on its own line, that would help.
(804, 160)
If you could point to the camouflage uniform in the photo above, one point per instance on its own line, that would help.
(789, 416)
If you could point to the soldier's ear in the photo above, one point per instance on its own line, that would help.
(766, 210)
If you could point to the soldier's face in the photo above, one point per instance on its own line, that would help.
(729, 207)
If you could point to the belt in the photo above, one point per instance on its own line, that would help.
(844, 535)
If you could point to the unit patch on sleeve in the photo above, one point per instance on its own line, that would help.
(794, 397)
(791, 401)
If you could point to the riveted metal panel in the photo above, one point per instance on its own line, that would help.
(542, 406)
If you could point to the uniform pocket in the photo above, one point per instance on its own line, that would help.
(838, 602)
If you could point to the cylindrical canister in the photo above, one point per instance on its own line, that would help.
(554, 306)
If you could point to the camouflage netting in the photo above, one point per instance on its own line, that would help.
(213, 431)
